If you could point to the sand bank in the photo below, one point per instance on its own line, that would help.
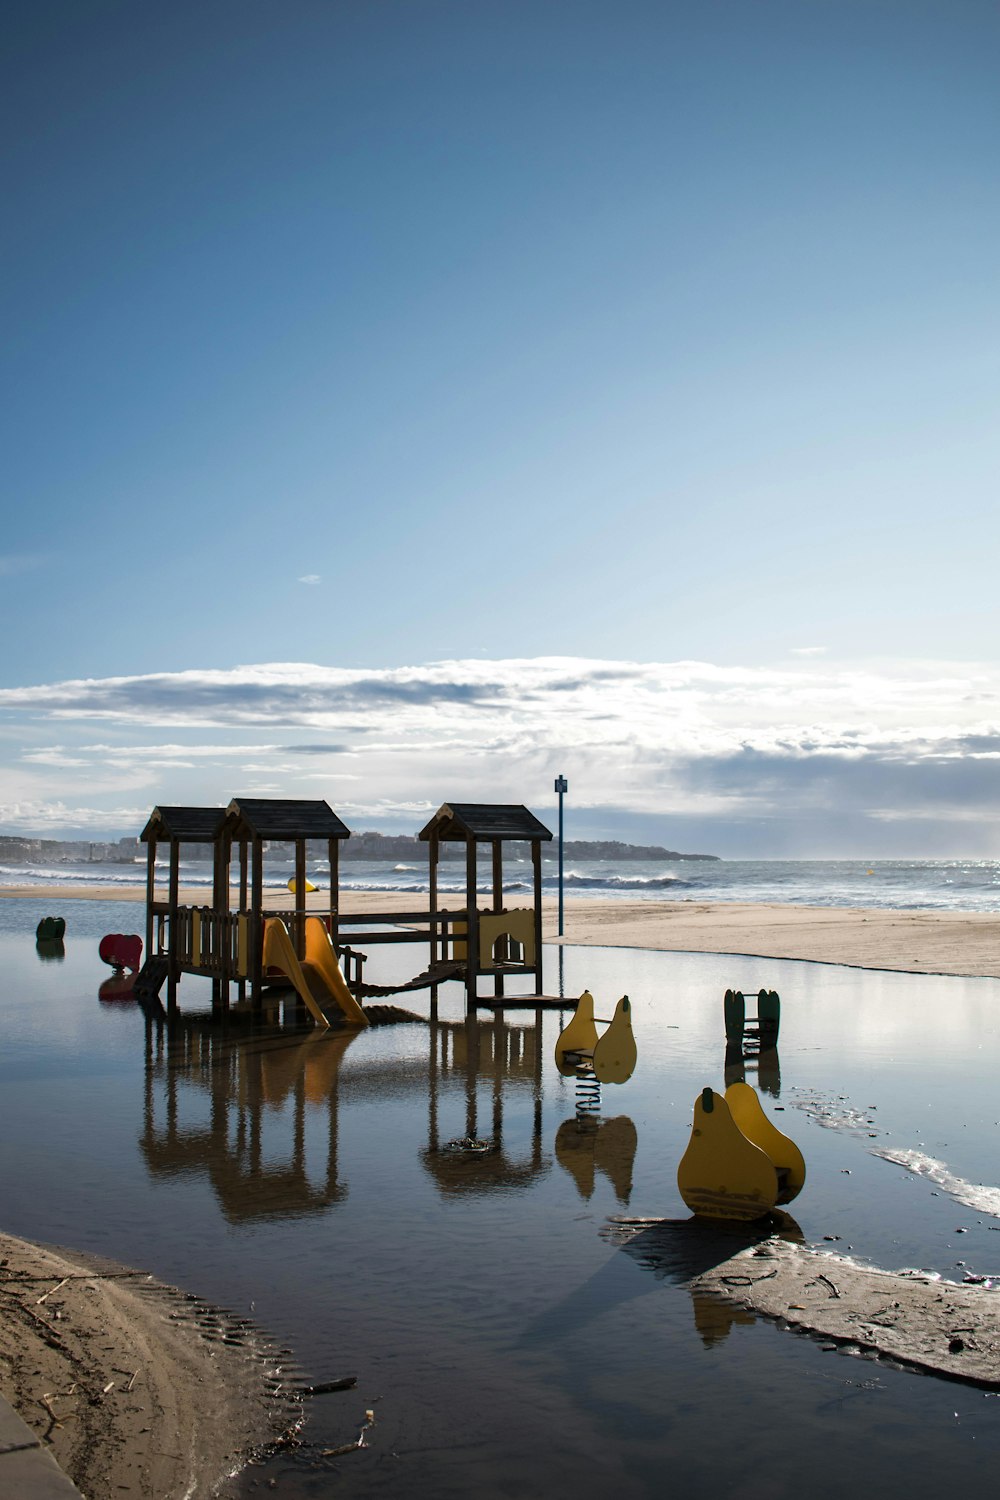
(915, 1320)
(915, 942)
(138, 1389)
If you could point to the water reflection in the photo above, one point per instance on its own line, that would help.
(714, 1318)
(117, 988)
(764, 1068)
(585, 1146)
(681, 1250)
(239, 1109)
(497, 1053)
(253, 1145)
(49, 949)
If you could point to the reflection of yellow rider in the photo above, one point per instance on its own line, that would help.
(585, 1147)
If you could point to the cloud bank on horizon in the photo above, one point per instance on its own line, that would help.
(816, 758)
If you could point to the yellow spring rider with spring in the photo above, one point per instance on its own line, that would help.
(737, 1164)
(612, 1056)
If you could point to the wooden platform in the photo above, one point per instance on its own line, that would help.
(526, 1002)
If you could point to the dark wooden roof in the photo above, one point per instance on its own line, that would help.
(485, 820)
(268, 818)
(183, 825)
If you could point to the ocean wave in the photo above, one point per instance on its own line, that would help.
(421, 888)
(618, 882)
(885, 885)
(58, 875)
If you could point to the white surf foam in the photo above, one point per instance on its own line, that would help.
(976, 1195)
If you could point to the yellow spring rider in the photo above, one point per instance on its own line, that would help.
(611, 1056)
(737, 1164)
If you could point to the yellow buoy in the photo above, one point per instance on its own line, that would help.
(293, 886)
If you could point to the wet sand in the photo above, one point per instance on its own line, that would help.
(137, 1389)
(914, 942)
(917, 1321)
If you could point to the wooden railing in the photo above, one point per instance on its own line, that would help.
(218, 944)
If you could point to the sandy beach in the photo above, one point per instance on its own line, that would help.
(137, 1389)
(910, 941)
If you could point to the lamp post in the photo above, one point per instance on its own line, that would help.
(562, 786)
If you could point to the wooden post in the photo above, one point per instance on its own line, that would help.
(536, 861)
(334, 860)
(437, 939)
(498, 905)
(150, 894)
(300, 898)
(172, 902)
(220, 900)
(256, 922)
(497, 875)
(471, 927)
(437, 948)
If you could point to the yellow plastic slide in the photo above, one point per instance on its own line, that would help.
(317, 978)
(320, 953)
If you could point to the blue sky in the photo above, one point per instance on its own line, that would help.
(351, 346)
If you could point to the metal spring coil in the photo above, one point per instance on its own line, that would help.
(588, 1091)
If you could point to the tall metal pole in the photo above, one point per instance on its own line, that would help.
(562, 786)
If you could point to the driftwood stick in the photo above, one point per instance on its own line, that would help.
(49, 1334)
(51, 1289)
(44, 1401)
(324, 1387)
(16, 1276)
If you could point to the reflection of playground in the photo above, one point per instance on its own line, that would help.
(470, 1054)
(257, 1086)
(681, 1250)
(477, 1058)
(257, 1142)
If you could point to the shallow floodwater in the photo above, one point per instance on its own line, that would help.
(504, 1343)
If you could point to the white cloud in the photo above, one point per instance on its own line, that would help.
(650, 738)
(310, 578)
(44, 817)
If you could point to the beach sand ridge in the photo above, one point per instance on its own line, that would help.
(137, 1389)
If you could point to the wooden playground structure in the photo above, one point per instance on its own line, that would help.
(235, 939)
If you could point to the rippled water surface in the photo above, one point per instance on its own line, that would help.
(505, 1344)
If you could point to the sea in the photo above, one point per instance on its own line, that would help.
(893, 884)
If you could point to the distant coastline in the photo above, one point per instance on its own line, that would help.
(24, 851)
(384, 846)
(406, 846)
